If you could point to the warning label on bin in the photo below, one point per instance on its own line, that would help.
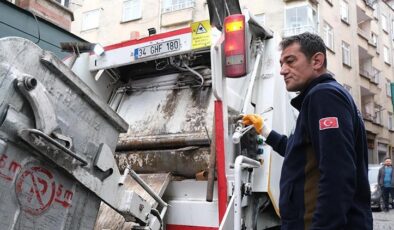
(35, 190)
(201, 34)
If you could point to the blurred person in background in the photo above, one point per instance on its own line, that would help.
(386, 182)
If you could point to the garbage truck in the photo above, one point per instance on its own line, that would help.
(147, 134)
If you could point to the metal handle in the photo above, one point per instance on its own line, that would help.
(217, 69)
(146, 187)
(253, 76)
(57, 144)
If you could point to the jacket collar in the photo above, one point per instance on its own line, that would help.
(297, 101)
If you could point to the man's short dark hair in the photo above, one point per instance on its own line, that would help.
(310, 44)
(386, 158)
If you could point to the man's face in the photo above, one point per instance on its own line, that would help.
(387, 162)
(296, 69)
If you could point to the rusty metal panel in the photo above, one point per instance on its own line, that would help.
(184, 162)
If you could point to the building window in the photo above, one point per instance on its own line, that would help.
(90, 19)
(388, 88)
(386, 55)
(346, 53)
(384, 23)
(174, 5)
(65, 3)
(344, 11)
(132, 10)
(390, 124)
(328, 36)
(299, 20)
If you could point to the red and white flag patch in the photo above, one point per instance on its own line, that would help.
(328, 123)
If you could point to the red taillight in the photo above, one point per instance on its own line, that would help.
(234, 45)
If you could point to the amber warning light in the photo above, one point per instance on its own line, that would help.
(234, 46)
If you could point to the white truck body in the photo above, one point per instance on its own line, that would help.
(159, 110)
(181, 117)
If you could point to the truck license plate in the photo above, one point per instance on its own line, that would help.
(158, 48)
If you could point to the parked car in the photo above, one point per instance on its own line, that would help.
(376, 192)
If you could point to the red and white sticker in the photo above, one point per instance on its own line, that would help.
(328, 123)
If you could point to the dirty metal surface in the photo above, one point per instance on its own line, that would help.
(184, 162)
(35, 193)
(76, 111)
(109, 219)
(170, 130)
(162, 141)
(151, 113)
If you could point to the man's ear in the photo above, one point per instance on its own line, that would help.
(318, 61)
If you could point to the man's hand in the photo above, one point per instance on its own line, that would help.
(258, 123)
(255, 120)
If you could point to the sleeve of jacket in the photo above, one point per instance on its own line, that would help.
(335, 154)
(379, 177)
(278, 142)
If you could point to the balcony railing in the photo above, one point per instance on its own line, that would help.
(376, 119)
(366, 35)
(373, 74)
(180, 6)
(298, 30)
(372, 42)
(367, 116)
(370, 3)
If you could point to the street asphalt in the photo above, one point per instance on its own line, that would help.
(383, 220)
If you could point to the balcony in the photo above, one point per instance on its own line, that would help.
(311, 1)
(366, 68)
(373, 41)
(364, 34)
(177, 14)
(298, 30)
(370, 3)
(367, 105)
(372, 74)
(377, 118)
(180, 6)
(367, 116)
(363, 24)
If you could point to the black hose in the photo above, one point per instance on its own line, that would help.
(38, 27)
(156, 213)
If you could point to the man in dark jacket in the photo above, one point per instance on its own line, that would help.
(324, 181)
(386, 182)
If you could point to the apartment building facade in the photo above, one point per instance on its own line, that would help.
(359, 35)
(58, 12)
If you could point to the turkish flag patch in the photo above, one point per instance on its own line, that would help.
(328, 123)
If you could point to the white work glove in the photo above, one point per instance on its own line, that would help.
(258, 123)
